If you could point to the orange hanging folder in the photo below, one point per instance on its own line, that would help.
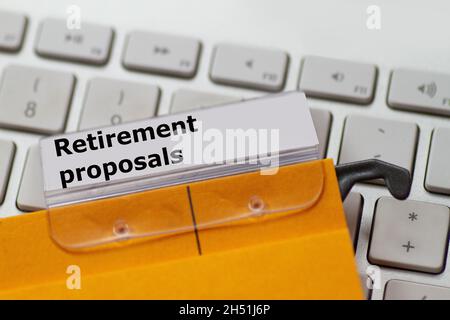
(246, 236)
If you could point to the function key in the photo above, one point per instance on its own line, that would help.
(162, 54)
(420, 91)
(90, 44)
(12, 30)
(254, 68)
(338, 79)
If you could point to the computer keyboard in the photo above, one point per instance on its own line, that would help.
(100, 75)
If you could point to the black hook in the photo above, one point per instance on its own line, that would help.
(397, 179)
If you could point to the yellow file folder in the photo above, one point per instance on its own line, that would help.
(246, 236)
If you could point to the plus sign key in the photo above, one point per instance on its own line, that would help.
(409, 235)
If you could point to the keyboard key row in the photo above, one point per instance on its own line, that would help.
(38, 100)
(38, 107)
(249, 67)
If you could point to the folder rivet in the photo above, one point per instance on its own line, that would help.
(120, 228)
(256, 204)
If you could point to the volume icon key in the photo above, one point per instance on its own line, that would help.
(429, 89)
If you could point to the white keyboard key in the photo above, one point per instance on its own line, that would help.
(410, 235)
(110, 102)
(34, 99)
(162, 54)
(90, 44)
(322, 123)
(31, 190)
(405, 290)
(438, 175)
(186, 100)
(12, 30)
(338, 79)
(420, 91)
(255, 68)
(353, 206)
(387, 140)
(7, 150)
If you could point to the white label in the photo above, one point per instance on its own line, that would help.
(204, 139)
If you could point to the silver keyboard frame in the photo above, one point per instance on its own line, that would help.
(408, 38)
